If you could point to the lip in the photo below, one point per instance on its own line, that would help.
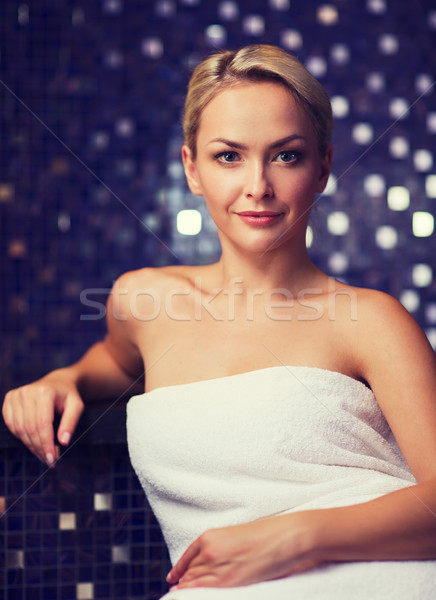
(259, 218)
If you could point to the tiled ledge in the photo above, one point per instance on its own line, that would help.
(101, 423)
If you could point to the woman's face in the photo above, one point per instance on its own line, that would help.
(257, 166)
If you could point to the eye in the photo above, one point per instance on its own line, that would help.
(288, 156)
(227, 157)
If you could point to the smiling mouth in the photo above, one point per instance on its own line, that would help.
(259, 218)
(257, 214)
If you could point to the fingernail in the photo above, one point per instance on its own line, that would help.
(168, 577)
(65, 438)
(49, 459)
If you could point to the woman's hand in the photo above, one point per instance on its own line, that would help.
(29, 411)
(244, 554)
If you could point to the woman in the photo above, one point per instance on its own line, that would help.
(265, 456)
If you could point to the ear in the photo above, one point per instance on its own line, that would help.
(191, 171)
(326, 165)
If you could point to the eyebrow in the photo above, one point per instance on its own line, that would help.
(276, 144)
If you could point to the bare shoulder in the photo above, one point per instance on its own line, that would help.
(379, 314)
(388, 340)
(158, 279)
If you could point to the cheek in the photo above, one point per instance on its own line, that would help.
(298, 187)
(219, 190)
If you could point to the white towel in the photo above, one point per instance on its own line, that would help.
(231, 450)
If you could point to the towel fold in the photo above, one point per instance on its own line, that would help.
(230, 450)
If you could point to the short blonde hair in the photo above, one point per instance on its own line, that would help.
(260, 62)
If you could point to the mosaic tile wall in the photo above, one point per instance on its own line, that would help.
(91, 185)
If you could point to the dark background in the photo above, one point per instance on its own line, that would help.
(90, 186)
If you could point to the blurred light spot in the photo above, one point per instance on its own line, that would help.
(399, 147)
(100, 139)
(152, 47)
(332, 186)
(77, 17)
(327, 14)
(112, 6)
(430, 186)
(113, 59)
(15, 559)
(291, 39)
(374, 185)
(388, 44)
(102, 501)
(67, 521)
(174, 197)
(120, 554)
(431, 122)
(17, 249)
(7, 192)
(340, 106)
(64, 222)
(430, 312)
(317, 66)
(338, 223)
(125, 167)
(340, 54)
(398, 108)
(424, 84)
(432, 19)
(165, 8)
(152, 221)
(422, 275)
(422, 224)
(125, 127)
(362, 134)
(410, 300)
(59, 166)
(189, 222)
(377, 7)
(253, 25)
(309, 236)
(228, 11)
(85, 591)
(423, 160)
(280, 4)
(375, 82)
(398, 198)
(19, 305)
(386, 237)
(175, 169)
(23, 14)
(216, 35)
(338, 262)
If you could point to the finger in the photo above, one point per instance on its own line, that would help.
(183, 563)
(71, 414)
(13, 413)
(206, 580)
(44, 416)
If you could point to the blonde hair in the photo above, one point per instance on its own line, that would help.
(260, 62)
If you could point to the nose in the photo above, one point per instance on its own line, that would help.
(258, 185)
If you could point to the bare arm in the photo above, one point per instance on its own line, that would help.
(108, 369)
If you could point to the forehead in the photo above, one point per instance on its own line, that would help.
(258, 108)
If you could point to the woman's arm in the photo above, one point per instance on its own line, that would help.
(396, 359)
(109, 369)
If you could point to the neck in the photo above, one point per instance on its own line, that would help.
(282, 268)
